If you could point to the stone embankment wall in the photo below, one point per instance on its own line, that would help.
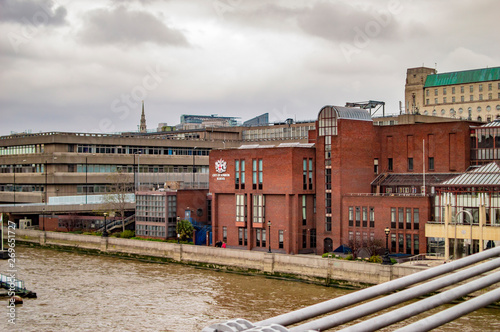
(306, 267)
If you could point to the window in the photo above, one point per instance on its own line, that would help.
(444, 91)
(260, 174)
(310, 174)
(427, 101)
(263, 238)
(389, 166)
(254, 174)
(471, 98)
(462, 89)
(490, 96)
(481, 96)
(431, 163)
(393, 218)
(304, 238)
(328, 224)
(312, 238)
(258, 208)
(471, 88)
(415, 219)
(304, 210)
(242, 173)
(241, 208)
(304, 174)
(257, 237)
(237, 174)
(444, 100)
(427, 93)
(351, 216)
(408, 244)
(358, 217)
(410, 164)
(281, 238)
(453, 90)
(462, 98)
(393, 242)
(416, 245)
(375, 165)
(328, 179)
(408, 218)
(240, 236)
(401, 243)
(435, 100)
(328, 203)
(372, 217)
(401, 218)
(245, 232)
(480, 88)
(365, 216)
(490, 86)
(351, 235)
(453, 99)
(435, 92)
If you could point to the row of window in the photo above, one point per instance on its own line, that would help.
(462, 99)
(295, 132)
(25, 188)
(361, 216)
(405, 218)
(410, 247)
(21, 149)
(462, 89)
(98, 168)
(258, 208)
(307, 176)
(410, 164)
(149, 230)
(260, 237)
(133, 150)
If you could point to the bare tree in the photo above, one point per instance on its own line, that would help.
(119, 187)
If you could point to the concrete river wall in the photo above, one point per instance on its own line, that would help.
(305, 267)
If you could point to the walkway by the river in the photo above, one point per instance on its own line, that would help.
(97, 293)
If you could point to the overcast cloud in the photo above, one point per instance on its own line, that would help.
(86, 65)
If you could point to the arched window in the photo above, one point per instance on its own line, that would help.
(327, 122)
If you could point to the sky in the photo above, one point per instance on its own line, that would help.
(85, 66)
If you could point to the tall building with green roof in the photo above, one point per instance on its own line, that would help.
(469, 94)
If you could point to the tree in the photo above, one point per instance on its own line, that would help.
(119, 187)
(185, 229)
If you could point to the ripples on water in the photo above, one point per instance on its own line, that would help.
(98, 293)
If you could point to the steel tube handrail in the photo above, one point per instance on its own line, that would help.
(452, 313)
(393, 299)
(374, 291)
(424, 305)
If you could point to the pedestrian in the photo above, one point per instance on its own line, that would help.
(223, 244)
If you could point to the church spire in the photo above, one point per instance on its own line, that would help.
(142, 127)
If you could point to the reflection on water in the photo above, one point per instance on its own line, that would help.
(97, 293)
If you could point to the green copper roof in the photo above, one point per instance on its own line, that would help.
(461, 77)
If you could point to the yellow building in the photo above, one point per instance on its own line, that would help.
(466, 213)
(470, 94)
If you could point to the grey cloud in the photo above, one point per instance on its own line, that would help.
(36, 12)
(121, 26)
(341, 22)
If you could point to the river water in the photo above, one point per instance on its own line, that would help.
(78, 292)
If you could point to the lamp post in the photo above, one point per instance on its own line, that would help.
(269, 226)
(105, 232)
(43, 214)
(386, 260)
(177, 229)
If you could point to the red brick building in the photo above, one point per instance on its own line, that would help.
(253, 185)
(353, 182)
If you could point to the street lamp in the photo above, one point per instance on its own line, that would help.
(269, 225)
(177, 229)
(105, 232)
(386, 260)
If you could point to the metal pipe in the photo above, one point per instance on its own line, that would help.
(393, 299)
(452, 313)
(424, 305)
(374, 291)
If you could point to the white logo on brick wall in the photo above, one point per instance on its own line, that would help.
(220, 166)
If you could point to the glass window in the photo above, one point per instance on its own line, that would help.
(408, 218)
(416, 219)
(351, 216)
(304, 210)
(358, 217)
(372, 217)
(241, 208)
(365, 216)
(258, 208)
(281, 239)
(393, 217)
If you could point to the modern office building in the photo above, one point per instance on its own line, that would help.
(158, 211)
(469, 94)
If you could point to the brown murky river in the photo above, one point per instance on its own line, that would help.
(79, 292)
